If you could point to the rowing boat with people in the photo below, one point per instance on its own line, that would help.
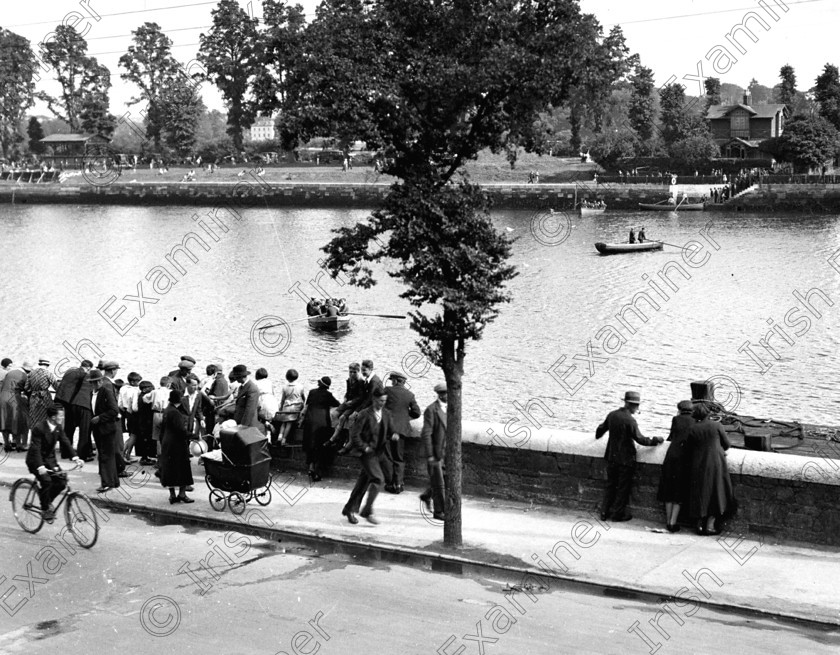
(624, 248)
(330, 323)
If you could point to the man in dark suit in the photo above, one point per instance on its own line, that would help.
(434, 442)
(247, 400)
(191, 403)
(40, 458)
(106, 428)
(621, 456)
(368, 437)
(74, 394)
(373, 385)
(402, 405)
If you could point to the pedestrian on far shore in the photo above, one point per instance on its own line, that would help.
(621, 456)
(675, 482)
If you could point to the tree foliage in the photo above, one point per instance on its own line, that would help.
(149, 64)
(229, 54)
(280, 44)
(827, 94)
(430, 85)
(35, 132)
(84, 83)
(786, 90)
(808, 142)
(694, 152)
(181, 108)
(713, 92)
(17, 88)
(642, 111)
(611, 146)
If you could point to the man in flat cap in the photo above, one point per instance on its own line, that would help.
(403, 407)
(434, 442)
(184, 371)
(621, 456)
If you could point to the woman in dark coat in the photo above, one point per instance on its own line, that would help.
(175, 450)
(144, 423)
(711, 487)
(676, 469)
(317, 427)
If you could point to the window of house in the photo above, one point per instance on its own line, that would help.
(739, 122)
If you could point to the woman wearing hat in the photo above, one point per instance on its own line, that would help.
(317, 428)
(38, 384)
(676, 469)
(175, 450)
(712, 499)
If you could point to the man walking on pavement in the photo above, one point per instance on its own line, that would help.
(434, 441)
(621, 456)
(367, 437)
(403, 407)
(106, 426)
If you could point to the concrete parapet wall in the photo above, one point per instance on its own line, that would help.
(779, 495)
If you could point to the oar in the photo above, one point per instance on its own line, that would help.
(266, 327)
(376, 315)
(670, 244)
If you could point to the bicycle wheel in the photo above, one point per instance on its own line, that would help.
(81, 519)
(26, 505)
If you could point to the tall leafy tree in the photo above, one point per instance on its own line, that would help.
(672, 112)
(280, 44)
(180, 111)
(84, 83)
(808, 142)
(35, 132)
(713, 93)
(431, 84)
(827, 94)
(149, 64)
(229, 54)
(786, 91)
(642, 111)
(17, 87)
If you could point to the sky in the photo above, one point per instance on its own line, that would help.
(675, 38)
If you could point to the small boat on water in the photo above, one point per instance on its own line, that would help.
(592, 211)
(666, 206)
(329, 323)
(624, 248)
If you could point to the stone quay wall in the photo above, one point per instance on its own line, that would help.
(779, 495)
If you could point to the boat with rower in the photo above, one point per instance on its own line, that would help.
(624, 248)
(592, 208)
(337, 323)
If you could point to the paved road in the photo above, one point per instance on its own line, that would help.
(152, 588)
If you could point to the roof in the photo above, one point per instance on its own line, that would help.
(757, 111)
(71, 138)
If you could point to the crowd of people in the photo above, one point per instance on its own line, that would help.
(694, 474)
(112, 420)
(328, 307)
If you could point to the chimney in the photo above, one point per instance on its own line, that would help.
(747, 98)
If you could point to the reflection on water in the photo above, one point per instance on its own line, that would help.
(64, 263)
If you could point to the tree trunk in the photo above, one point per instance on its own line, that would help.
(453, 369)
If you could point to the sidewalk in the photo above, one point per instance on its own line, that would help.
(683, 569)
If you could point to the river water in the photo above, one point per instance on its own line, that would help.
(62, 264)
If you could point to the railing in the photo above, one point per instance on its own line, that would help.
(799, 179)
(664, 180)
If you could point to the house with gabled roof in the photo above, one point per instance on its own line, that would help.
(740, 130)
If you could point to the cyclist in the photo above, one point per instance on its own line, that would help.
(40, 458)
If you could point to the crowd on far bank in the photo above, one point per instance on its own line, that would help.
(96, 415)
(694, 480)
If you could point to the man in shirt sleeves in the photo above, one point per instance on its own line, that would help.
(621, 456)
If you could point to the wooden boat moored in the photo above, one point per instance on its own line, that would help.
(623, 248)
(330, 323)
(592, 211)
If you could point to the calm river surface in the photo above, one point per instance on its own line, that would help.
(63, 263)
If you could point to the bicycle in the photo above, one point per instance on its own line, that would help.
(79, 514)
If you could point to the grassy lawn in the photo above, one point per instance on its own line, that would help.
(488, 168)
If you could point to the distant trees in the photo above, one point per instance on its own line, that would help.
(229, 53)
(17, 88)
(808, 142)
(83, 102)
(827, 94)
(786, 90)
(713, 92)
(642, 110)
(35, 132)
(279, 44)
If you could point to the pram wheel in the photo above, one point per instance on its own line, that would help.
(237, 503)
(218, 500)
(263, 496)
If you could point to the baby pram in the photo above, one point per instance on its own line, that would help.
(240, 471)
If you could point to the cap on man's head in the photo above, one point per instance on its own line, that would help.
(685, 406)
(188, 358)
(110, 365)
(95, 375)
(396, 375)
(632, 397)
(43, 361)
(186, 364)
(440, 387)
